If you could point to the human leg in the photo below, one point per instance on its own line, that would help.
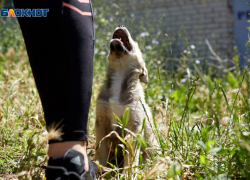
(60, 49)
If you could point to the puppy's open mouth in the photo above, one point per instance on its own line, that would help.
(120, 41)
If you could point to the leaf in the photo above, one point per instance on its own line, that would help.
(222, 151)
(201, 144)
(143, 125)
(116, 161)
(232, 152)
(232, 80)
(112, 165)
(214, 150)
(125, 119)
(123, 149)
(245, 133)
(197, 175)
(125, 129)
(203, 159)
(117, 118)
(123, 177)
(141, 140)
(26, 127)
(210, 143)
(112, 132)
(178, 170)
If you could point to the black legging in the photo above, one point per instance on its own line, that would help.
(60, 49)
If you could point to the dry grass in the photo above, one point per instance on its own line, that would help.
(203, 123)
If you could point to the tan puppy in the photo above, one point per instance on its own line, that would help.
(122, 88)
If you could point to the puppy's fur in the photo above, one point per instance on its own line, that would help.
(122, 88)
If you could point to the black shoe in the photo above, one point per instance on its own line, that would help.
(69, 167)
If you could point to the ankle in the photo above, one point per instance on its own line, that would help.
(60, 148)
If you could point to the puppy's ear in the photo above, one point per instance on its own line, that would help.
(144, 75)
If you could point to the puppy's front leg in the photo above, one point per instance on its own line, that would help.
(101, 153)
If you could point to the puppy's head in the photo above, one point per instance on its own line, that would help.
(125, 53)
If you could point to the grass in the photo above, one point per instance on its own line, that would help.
(201, 112)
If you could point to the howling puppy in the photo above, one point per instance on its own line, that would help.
(122, 88)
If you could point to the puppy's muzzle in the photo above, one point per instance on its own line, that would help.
(117, 45)
(120, 41)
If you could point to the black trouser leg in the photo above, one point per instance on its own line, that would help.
(60, 49)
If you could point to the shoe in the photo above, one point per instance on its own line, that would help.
(69, 167)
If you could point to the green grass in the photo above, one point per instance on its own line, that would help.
(201, 112)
